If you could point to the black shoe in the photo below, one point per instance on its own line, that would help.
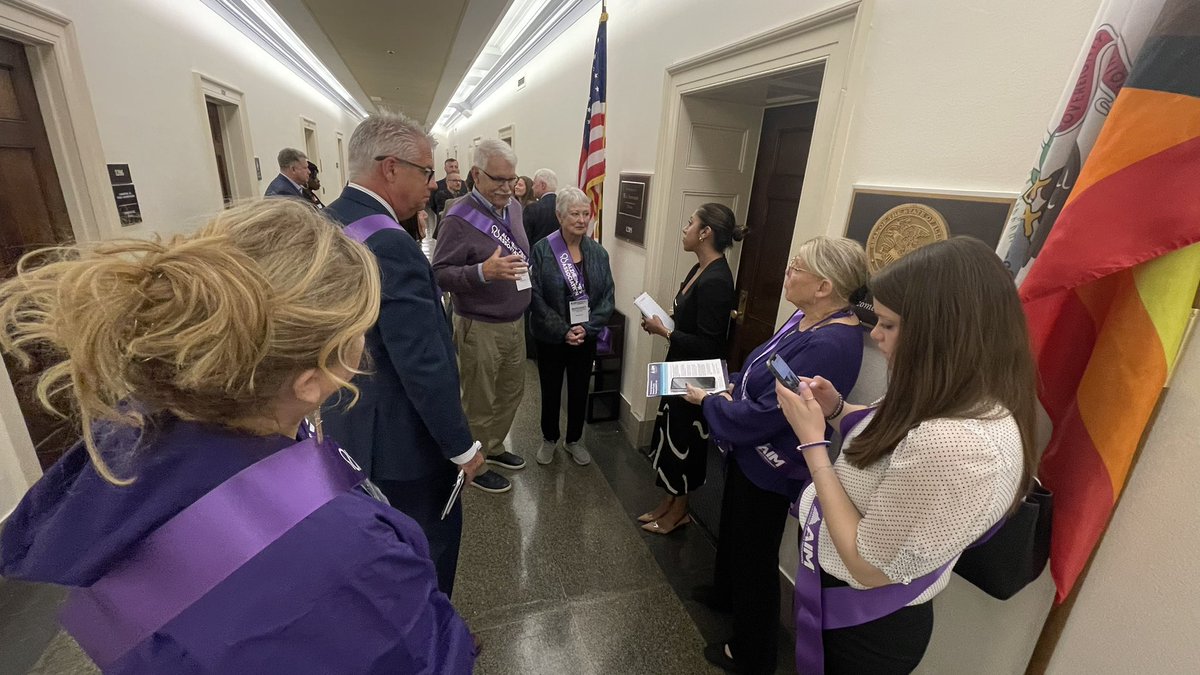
(490, 481)
(507, 460)
(707, 595)
(715, 654)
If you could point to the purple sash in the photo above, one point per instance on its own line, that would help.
(197, 549)
(567, 266)
(819, 609)
(362, 229)
(490, 225)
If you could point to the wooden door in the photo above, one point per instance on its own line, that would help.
(33, 214)
(217, 128)
(774, 199)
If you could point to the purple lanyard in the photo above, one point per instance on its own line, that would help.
(819, 609)
(567, 266)
(198, 548)
(490, 225)
(797, 317)
(362, 229)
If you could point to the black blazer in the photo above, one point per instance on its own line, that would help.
(282, 187)
(540, 219)
(408, 422)
(702, 314)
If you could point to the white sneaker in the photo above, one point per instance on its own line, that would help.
(545, 454)
(578, 453)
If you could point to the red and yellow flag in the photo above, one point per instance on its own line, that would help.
(1109, 297)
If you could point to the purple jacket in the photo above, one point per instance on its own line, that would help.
(350, 589)
(456, 258)
(833, 352)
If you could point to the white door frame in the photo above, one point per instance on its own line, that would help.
(56, 63)
(239, 152)
(835, 37)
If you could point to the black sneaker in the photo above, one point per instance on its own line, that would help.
(490, 481)
(507, 460)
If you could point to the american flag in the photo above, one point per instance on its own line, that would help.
(591, 158)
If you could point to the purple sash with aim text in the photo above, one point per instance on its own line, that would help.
(491, 226)
(362, 229)
(566, 265)
(819, 609)
(198, 548)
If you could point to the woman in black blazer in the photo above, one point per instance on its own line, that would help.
(702, 308)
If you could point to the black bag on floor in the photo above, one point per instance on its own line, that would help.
(1017, 553)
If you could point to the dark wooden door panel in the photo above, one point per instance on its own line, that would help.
(774, 201)
(33, 214)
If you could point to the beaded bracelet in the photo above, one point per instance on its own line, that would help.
(838, 410)
(803, 446)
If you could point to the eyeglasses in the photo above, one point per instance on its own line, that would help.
(507, 181)
(794, 266)
(428, 171)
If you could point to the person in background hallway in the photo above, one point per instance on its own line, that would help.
(293, 175)
(449, 166)
(454, 188)
(764, 472)
(482, 259)
(408, 431)
(541, 219)
(947, 452)
(523, 191)
(190, 363)
(701, 313)
(314, 184)
(568, 338)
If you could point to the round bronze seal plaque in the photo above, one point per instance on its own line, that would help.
(902, 230)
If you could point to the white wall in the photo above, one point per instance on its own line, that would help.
(139, 57)
(952, 95)
(1139, 607)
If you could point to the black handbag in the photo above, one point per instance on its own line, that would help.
(1017, 553)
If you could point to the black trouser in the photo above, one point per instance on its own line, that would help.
(423, 501)
(552, 360)
(890, 645)
(747, 568)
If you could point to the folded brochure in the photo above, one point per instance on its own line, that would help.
(670, 378)
(648, 307)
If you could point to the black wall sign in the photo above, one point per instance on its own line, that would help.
(633, 191)
(125, 194)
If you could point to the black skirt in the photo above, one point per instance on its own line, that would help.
(679, 446)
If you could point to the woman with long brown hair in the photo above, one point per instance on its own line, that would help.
(179, 520)
(930, 469)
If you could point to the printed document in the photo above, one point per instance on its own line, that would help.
(671, 378)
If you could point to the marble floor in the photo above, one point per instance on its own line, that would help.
(555, 576)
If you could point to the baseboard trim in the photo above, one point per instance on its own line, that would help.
(637, 432)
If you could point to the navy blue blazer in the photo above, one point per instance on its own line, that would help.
(282, 187)
(409, 421)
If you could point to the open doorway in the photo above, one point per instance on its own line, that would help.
(230, 136)
(216, 126)
(311, 147)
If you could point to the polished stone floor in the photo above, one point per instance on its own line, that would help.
(555, 577)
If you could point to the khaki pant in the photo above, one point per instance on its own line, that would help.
(491, 365)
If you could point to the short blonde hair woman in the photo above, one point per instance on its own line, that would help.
(191, 364)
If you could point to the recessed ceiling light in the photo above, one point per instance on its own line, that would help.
(391, 51)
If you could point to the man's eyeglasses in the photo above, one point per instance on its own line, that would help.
(428, 171)
(507, 181)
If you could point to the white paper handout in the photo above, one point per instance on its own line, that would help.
(648, 307)
(670, 378)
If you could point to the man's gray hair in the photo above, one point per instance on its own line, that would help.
(289, 156)
(489, 148)
(548, 177)
(384, 134)
(567, 198)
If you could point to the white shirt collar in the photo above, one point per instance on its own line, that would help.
(299, 187)
(379, 199)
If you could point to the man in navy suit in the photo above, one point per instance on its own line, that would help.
(293, 175)
(407, 431)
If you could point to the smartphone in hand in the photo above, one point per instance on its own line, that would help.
(779, 368)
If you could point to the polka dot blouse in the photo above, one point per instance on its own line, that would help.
(945, 484)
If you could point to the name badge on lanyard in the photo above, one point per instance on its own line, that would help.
(579, 311)
(524, 282)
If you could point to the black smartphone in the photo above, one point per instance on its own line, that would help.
(779, 368)
(706, 383)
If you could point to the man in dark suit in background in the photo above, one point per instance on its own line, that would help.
(540, 219)
(407, 431)
(293, 175)
(450, 166)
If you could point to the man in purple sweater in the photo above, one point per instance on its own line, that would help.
(482, 259)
